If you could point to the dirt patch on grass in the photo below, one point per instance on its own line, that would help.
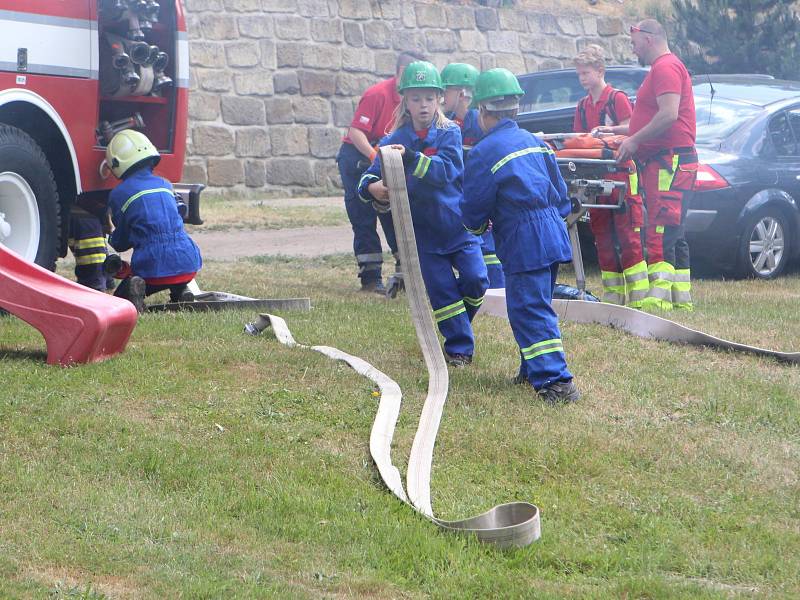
(65, 582)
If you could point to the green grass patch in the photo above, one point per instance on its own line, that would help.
(203, 463)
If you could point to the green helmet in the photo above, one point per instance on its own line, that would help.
(420, 74)
(459, 74)
(500, 86)
(127, 149)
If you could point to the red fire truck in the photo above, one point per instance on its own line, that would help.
(72, 73)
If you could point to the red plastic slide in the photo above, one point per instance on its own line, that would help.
(79, 325)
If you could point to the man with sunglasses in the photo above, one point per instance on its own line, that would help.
(661, 140)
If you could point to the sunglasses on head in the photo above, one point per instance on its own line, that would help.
(635, 29)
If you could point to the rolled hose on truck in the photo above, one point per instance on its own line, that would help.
(515, 524)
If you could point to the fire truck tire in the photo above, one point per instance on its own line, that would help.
(29, 204)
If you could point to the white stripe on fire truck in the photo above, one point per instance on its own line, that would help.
(182, 62)
(54, 45)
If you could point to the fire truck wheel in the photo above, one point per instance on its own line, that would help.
(29, 207)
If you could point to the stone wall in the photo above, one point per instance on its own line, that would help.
(274, 83)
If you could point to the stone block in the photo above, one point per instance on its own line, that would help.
(472, 41)
(243, 54)
(289, 140)
(326, 30)
(355, 9)
(531, 64)
(268, 54)
(589, 25)
(542, 23)
(486, 19)
(550, 63)
(207, 54)
(408, 16)
(460, 17)
(212, 140)
(408, 39)
(219, 27)
(283, 6)
(193, 29)
(278, 110)
(377, 34)
(288, 54)
(242, 5)
(324, 142)
(242, 111)
(253, 83)
(621, 51)
(322, 57)
(289, 171)
(389, 9)
(326, 174)
(203, 107)
(487, 62)
(317, 83)
(353, 34)
(252, 141)
(609, 26)
(291, 27)
(353, 84)
(385, 63)
(430, 15)
(503, 41)
(511, 20)
(604, 43)
(313, 8)
(194, 170)
(213, 80)
(356, 59)
(256, 26)
(255, 173)
(513, 62)
(203, 5)
(570, 25)
(311, 110)
(342, 111)
(225, 172)
(440, 40)
(286, 82)
(549, 46)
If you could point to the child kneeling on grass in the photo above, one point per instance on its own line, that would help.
(512, 179)
(431, 148)
(145, 217)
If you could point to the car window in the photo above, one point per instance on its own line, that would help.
(719, 118)
(550, 92)
(781, 136)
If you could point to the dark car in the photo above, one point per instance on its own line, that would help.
(744, 213)
(548, 105)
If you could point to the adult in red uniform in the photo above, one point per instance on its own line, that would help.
(624, 273)
(662, 137)
(372, 120)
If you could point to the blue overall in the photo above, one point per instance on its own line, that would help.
(471, 132)
(513, 180)
(434, 179)
(363, 218)
(146, 218)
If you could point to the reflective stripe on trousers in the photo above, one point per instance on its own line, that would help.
(661, 275)
(637, 284)
(613, 287)
(682, 289)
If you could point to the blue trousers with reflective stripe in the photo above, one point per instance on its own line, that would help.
(363, 218)
(445, 289)
(496, 278)
(529, 297)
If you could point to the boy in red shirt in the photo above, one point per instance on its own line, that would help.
(624, 274)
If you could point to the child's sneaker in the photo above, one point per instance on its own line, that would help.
(560, 392)
(136, 291)
(457, 360)
(375, 287)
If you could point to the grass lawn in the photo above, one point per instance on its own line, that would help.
(203, 463)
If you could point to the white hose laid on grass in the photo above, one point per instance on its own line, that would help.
(514, 524)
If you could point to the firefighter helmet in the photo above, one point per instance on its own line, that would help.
(497, 89)
(420, 74)
(459, 74)
(127, 149)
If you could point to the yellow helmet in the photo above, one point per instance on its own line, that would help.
(127, 149)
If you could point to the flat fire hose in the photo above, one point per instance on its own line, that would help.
(515, 524)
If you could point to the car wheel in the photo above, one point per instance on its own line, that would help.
(29, 207)
(764, 245)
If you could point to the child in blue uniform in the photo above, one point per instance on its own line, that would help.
(459, 80)
(432, 155)
(512, 178)
(146, 218)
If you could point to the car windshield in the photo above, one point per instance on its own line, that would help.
(718, 119)
(561, 89)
